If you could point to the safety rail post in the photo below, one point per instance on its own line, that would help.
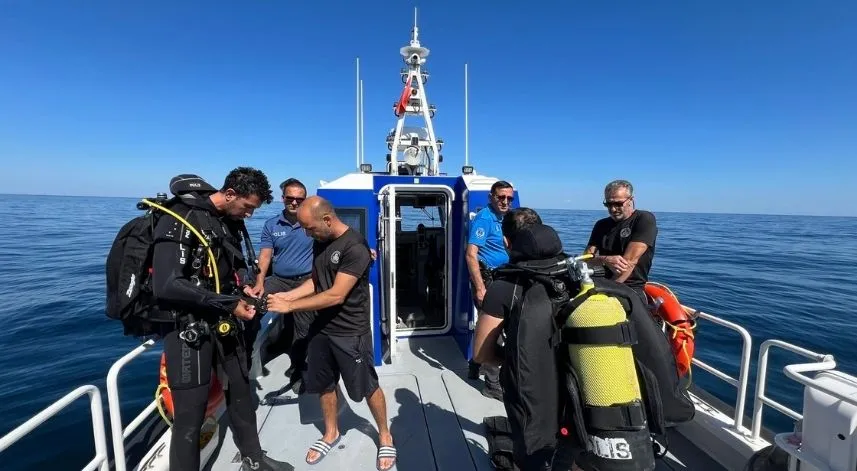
(824, 362)
(100, 459)
(119, 434)
(740, 383)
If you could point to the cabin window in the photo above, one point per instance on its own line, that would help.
(354, 218)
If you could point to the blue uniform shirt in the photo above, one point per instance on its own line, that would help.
(485, 233)
(292, 247)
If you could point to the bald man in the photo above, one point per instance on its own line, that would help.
(340, 337)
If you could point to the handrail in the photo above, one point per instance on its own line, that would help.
(100, 459)
(825, 362)
(796, 371)
(117, 432)
(739, 383)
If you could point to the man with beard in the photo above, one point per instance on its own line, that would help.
(624, 242)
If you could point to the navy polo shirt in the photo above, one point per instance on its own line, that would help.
(292, 247)
(486, 233)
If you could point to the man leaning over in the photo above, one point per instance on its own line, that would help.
(340, 342)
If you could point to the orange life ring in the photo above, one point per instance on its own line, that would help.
(678, 321)
(402, 104)
(215, 392)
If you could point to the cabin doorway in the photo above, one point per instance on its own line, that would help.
(416, 261)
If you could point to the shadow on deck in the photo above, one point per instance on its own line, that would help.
(435, 414)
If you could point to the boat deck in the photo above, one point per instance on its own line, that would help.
(435, 414)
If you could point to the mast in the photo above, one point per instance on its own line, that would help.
(358, 137)
(362, 142)
(466, 124)
(414, 150)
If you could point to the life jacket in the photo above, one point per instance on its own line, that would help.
(587, 367)
(128, 267)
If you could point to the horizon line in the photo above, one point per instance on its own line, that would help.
(725, 213)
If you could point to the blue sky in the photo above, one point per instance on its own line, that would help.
(705, 106)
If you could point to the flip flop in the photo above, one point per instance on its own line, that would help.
(385, 452)
(322, 448)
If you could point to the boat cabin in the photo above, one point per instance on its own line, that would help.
(418, 226)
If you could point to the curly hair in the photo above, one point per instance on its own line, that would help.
(247, 181)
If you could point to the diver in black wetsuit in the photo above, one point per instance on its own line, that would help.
(183, 282)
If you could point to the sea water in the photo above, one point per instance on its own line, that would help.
(783, 277)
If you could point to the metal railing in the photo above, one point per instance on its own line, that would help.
(740, 383)
(786, 441)
(119, 434)
(823, 362)
(100, 459)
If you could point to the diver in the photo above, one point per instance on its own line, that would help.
(534, 441)
(586, 372)
(199, 283)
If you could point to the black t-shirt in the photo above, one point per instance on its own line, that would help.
(500, 297)
(612, 238)
(349, 253)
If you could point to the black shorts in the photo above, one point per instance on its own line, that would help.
(328, 357)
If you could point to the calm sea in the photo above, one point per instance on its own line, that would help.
(785, 277)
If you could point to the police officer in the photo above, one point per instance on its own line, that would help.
(286, 245)
(183, 282)
(485, 252)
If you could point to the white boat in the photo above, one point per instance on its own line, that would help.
(422, 322)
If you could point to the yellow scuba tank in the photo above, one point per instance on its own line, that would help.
(603, 383)
(607, 373)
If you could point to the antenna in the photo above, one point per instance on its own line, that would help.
(466, 123)
(362, 142)
(357, 145)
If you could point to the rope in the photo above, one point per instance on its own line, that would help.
(160, 405)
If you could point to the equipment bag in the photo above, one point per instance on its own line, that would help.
(129, 270)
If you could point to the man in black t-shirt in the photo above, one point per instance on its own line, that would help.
(498, 304)
(340, 337)
(624, 242)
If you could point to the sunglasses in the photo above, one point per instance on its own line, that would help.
(615, 204)
(291, 199)
(505, 198)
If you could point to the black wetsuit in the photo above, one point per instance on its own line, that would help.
(189, 365)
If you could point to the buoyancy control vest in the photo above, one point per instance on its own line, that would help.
(586, 363)
(129, 296)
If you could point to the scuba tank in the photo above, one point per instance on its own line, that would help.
(604, 396)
